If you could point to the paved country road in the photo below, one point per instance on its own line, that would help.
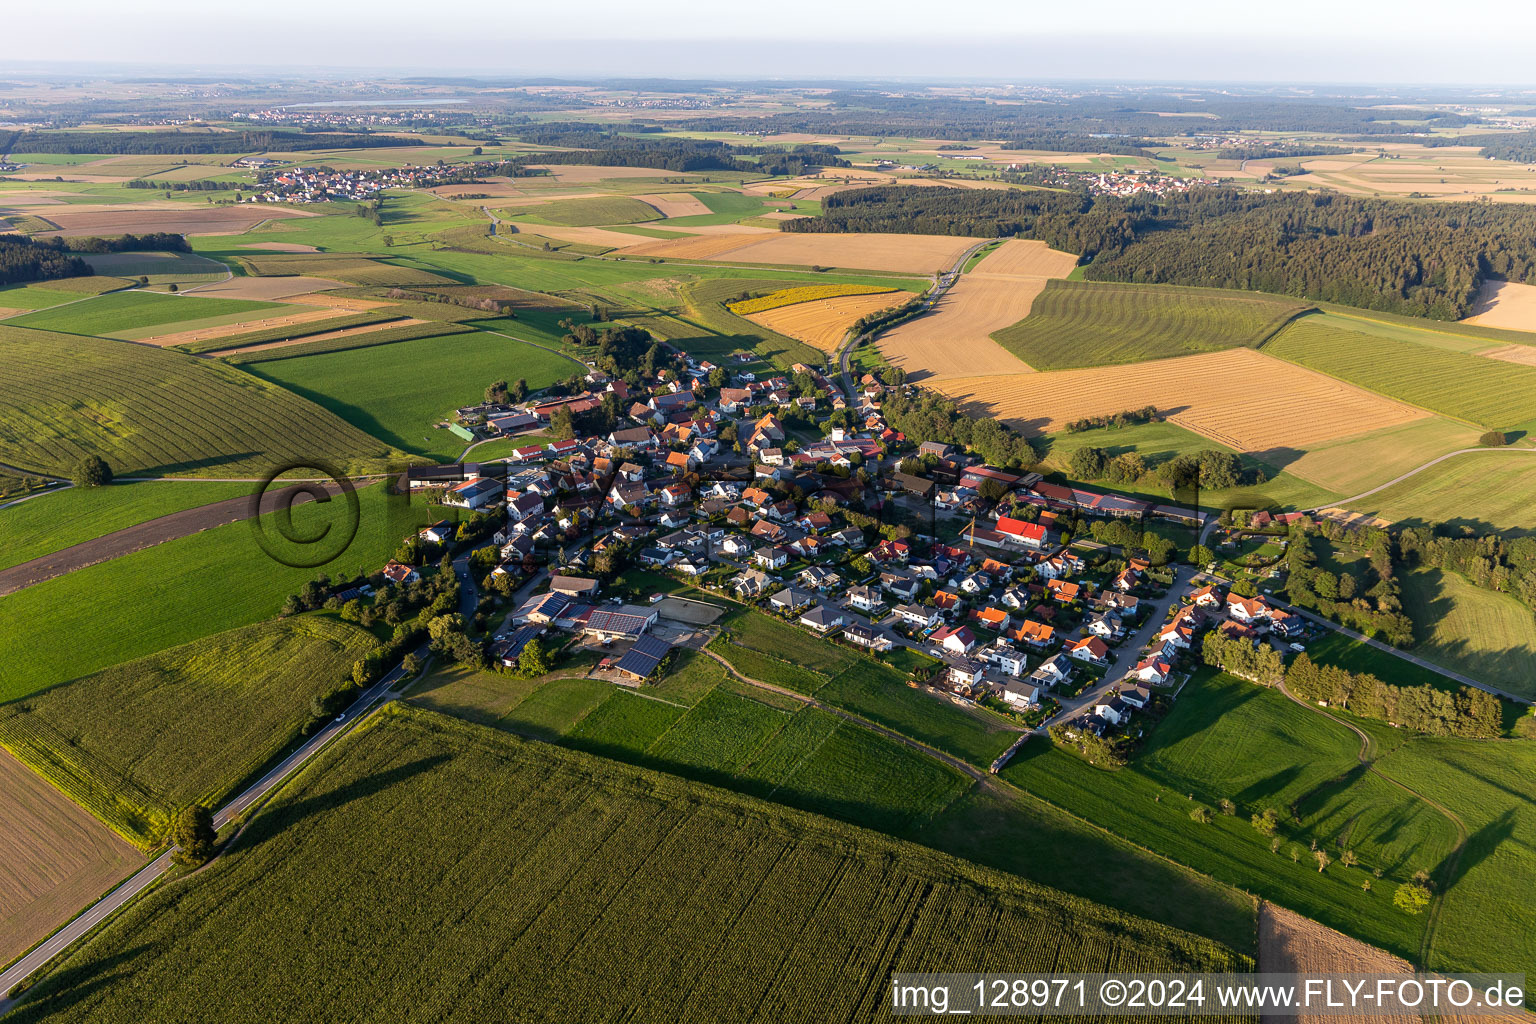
(147, 876)
(141, 536)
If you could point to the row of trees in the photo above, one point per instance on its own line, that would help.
(177, 142)
(1469, 712)
(1211, 468)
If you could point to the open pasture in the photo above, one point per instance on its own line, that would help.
(1486, 490)
(1488, 636)
(1229, 739)
(181, 590)
(56, 858)
(155, 412)
(1484, 392)
(1242, 398)
(185, 725)
(582, 174)
(956, 335)
(383, 390)
(1079, 323)
(726, 877)
(823, 323)
(588, 212)
(353, 268)
(1360, 462)
(905, 254)
(1507, 304)
(73, 515)
(122, 314)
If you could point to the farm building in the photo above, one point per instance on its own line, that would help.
(641, 661)
(628, 623)
(506, 648)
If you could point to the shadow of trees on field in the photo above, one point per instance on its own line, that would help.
(269, 826)
(72, 986)
(1479, 846)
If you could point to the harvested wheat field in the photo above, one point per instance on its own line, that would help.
(308, 339)
(54, 858)
(339, 301)
(495, 188)
(266, 288)
(822, 323)
(600, 237)
(298, 316)
(1239, 397)
(1505, 304)
(1525, 355)
(189, 220)
(6, 311)
(675, 204)
(904, 254)
(955, 338)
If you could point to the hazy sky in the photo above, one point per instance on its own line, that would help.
(1401, 41)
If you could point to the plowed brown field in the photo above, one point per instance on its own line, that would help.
(1505, 304)
(822, 323)
(1240, 397)
(955, 338)
(54, 858)
(675, 204)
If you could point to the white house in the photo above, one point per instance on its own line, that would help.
(1020, 694)
(1005, 658)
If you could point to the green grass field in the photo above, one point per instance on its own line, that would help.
(1074, 324)
(1488, 636)
(400, 392)
(35, 296)
(154, 412)
(795, 915)
(1230, 739)
(724, 208)
(137, 742)
(66, 517)
(1486, 392)
(179, 591)
(1487, 491)
(585, 212)
(723, 331)
(107, 315)
(1487, 921)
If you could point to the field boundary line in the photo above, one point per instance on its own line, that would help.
(1414, 472)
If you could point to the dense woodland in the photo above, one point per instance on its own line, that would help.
(168, 143)
(880, 113)
(1413, 258)
(680, 154)
(23, 259)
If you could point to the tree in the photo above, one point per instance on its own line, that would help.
(410, 664)
(1411, 897)
(1201, 555)
(496, 392)
(92, 471)
(1493, 439)
(1087, 463)
(1227, 806)
(533, 661)
(1200, 816)
(1323, 860)
(1267, 822)
(192, 833)
(562, 425)
(172, 287)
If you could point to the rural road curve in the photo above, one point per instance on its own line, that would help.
(942, 283)
(99, 911)
(136, 538)
(1413, 472)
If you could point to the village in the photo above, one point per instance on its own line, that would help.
(983, 580)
